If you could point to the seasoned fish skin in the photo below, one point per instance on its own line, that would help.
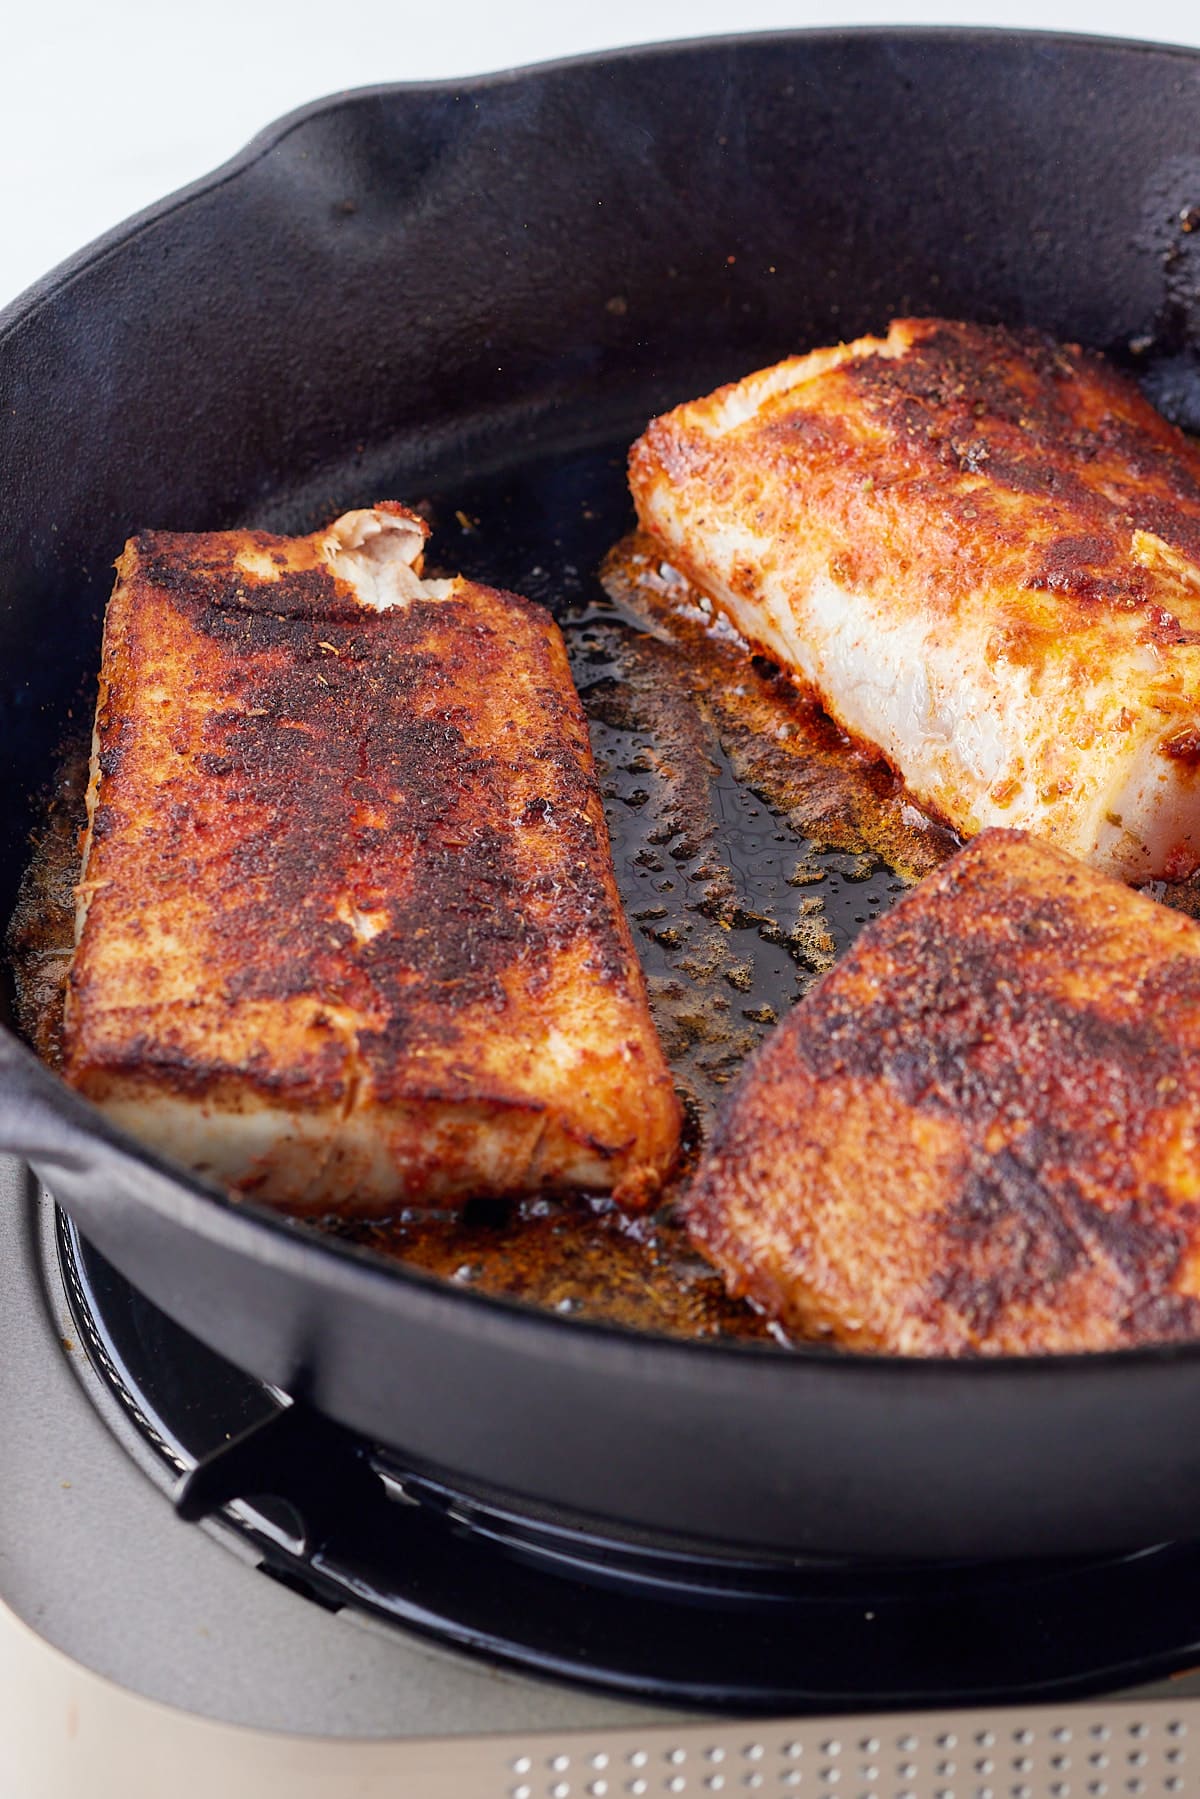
(980, 1132)
(981, 550)
(349, 935)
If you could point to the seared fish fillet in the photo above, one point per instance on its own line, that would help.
(349, 934)
(980, 1133)
(981, 550)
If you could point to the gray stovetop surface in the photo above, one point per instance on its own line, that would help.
(93, 1557)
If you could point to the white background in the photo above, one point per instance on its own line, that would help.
(103, 108)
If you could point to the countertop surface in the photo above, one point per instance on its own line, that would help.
(108, 108)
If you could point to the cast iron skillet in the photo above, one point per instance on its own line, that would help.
(397, 289)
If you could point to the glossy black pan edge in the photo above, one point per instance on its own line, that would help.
(164, 372)
(273, 134)
(896, 1457)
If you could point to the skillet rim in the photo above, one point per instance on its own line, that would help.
(31, 299)
(292, 1244)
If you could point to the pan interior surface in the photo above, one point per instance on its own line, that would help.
(752, 842)
(736, 906)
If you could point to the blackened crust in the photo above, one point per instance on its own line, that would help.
(354, 855)
(979, 1132)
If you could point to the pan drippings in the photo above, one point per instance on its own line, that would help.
(751, 841)
(711, 771)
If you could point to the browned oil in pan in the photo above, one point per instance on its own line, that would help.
(752, 841)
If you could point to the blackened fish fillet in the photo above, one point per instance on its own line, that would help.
(980, 1133)
(349, 934)
(980, 549)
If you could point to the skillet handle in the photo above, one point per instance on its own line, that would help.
(41, 1119)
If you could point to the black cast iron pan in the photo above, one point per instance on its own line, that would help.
(397, 289)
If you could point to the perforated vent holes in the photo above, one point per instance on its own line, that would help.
(1113, 1752)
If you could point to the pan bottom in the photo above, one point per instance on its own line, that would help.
(349, 1526)
(751, 841)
